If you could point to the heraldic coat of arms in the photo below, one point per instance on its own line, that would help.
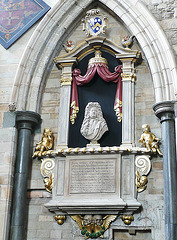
(94, 22)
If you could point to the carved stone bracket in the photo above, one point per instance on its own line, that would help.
(46, 168)
(143, 166)
(93, 226)
(142, 163)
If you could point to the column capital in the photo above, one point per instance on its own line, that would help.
(164, 110)
(132, 56)
(27, 119)
(66, 66)
(65, 62)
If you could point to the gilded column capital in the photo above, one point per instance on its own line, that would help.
(128, 65)
(66, 79)
(128, 77)
(66, 66)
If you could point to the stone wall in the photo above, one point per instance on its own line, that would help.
(165, 13)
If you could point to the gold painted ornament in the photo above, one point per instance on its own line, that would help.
(60, 219)
(93, 226)
(127, 219)
(141, 182)
(149, 140)
(47, 166)
(45, 145)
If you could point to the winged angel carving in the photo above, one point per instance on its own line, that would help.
(93, 226)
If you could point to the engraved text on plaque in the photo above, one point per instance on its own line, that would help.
(92, 176)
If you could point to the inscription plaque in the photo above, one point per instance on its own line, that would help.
(92, 176)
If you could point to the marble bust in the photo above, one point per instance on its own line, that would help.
(94, 125)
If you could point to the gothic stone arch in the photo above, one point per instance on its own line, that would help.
(56, 25)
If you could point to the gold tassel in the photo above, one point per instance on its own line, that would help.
(74, 112)
(117, 110)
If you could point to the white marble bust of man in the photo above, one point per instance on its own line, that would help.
(94, 125)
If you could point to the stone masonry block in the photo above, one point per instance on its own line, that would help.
(43, 233)
(55, 234)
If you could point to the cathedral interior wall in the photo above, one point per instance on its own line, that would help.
(41, 224)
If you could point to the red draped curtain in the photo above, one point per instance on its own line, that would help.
(106, 75)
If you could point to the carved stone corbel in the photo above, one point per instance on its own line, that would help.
(143, 167)
(46, 168)
(93, 226)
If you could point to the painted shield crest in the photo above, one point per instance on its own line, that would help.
(94, 22)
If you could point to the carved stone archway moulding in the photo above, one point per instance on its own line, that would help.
(48, 39)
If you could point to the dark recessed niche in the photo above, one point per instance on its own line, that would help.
(104, 93)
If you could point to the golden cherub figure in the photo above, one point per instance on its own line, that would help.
(45, 144)
(93, 226)
(149, 140)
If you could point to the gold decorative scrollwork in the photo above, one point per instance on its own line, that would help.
(143, 166)
(93, 226)
(46, 168)
(141, 182)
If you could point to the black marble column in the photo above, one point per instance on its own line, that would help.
(165, 112)
(25, 123)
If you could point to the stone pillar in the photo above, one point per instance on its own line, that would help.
(25, 123)
(128, 97)
(165, 112)
(66, 66)
(175, 108)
